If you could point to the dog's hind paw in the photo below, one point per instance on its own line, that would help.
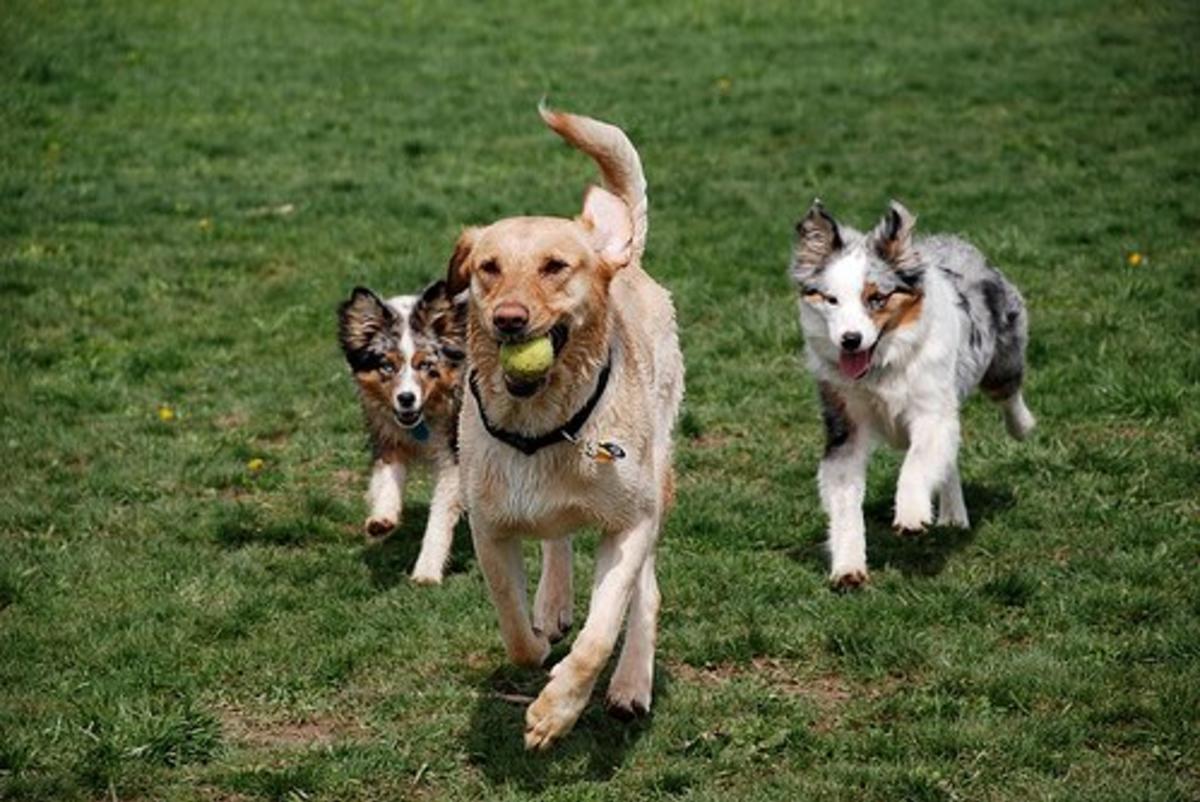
(379, 526)
(956, 518)
(626, 705)
(556, 627)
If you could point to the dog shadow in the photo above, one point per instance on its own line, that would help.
(391, 560)
(593, 751)
(925, 554)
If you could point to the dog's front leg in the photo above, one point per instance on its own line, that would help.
(500, 560)
(385, 496)
(553, 606)
(842, 479)
(952, 508)
(444, 512)
(619, 561)
(932, 453)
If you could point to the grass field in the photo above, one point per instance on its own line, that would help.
(187, 189)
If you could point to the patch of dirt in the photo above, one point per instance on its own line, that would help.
(232, 420)
(275, 437)
(828, 693)
(214, 794)
(314, 730)
(710, 441)
(346, 477)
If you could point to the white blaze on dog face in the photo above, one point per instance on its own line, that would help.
(836, 295)
(407, 394)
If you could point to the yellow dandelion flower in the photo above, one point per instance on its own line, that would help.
(255, 465)
(1134, 259)
(205, 224)
(166, 414)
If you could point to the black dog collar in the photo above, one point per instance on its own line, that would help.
(565, 433)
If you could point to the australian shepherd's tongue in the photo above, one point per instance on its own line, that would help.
(854, 365)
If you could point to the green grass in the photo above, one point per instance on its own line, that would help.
(188, 188)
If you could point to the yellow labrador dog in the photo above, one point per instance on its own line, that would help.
(587, 442)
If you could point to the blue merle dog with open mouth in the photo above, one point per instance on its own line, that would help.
(898, 330)
(407, 356)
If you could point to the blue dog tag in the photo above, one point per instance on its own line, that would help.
(420, 432)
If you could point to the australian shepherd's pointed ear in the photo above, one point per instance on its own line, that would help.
(818, 237)
(441, 317)
(360, 318)
(458, 273)
(892, 239)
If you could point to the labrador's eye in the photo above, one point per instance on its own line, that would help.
(831, 300)
(553, 267)
(490, 267)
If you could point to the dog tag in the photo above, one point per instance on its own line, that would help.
(606, 451)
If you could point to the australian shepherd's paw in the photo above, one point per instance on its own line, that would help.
(425, 576)
(554, 712)
(954, 517)
(913, 514)
(844, 579)
(379, 526)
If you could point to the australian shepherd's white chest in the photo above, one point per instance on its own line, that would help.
(898, 330)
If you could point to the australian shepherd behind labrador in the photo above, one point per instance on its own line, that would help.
(407, 354)
(898, 330)
(586, 443)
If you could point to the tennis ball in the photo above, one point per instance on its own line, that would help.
(527, 360)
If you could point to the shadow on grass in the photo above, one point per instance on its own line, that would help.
(390, 561)
(916, 555)
(593, 751)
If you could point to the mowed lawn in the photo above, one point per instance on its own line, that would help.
(187, 189)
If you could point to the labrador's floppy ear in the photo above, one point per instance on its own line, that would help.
(458, 275)
(608, 219)
(818, 236)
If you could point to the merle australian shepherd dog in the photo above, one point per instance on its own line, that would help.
(407, 355)
(898, 330)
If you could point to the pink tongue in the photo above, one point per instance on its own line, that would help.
(856, 365)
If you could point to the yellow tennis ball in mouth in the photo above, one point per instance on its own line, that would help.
(527, 360)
